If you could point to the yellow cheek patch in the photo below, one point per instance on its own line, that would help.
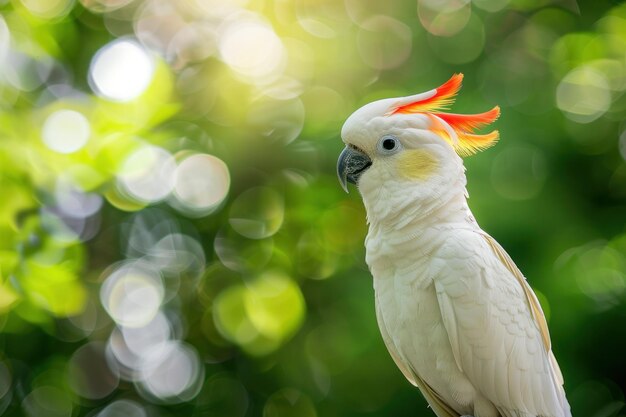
(416, 164)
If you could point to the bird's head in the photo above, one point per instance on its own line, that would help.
(409, 148)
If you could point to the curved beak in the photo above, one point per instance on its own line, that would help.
(351, 164)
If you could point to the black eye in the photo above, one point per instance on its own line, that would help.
(389, 144)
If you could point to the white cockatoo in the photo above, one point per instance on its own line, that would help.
(456, 314)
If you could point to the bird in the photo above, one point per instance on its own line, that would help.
(455, 313)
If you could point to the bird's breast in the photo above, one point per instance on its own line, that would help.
(404, 288)
(404, 254)
(409, 310)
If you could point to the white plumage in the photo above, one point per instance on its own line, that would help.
(456, 314)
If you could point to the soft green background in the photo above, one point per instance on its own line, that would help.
(173, 240)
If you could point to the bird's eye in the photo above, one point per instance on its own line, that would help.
(388, 144)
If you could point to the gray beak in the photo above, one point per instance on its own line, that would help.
(351, 164)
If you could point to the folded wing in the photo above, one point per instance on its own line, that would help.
(496, 328)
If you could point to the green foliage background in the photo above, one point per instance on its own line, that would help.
(203, 214)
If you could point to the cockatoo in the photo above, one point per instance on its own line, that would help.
(456, 314)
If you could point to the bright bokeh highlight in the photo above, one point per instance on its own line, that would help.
(201, 184)
(132, 295)
(147, 174)
(251, 48)
(66, 131)
(121, 70)
(174, 372)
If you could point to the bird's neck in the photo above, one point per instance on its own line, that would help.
(395, 208)
(450, 211)
(422, 231)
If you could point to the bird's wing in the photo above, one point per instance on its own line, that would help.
(496, 328)
(440, 408)
(538, 316)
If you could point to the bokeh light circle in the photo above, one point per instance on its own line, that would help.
(154, 335)
(102, 6)
(289, 402)
(583, 95)
(275, 305)
(123, 408)
(90, 375)
(177, 253)
(121, 70)
(49, 9)
(251, 48)
(132, 294)
(65, 131)
(444, 17)
(225, 396)
(201, 184)
(194, 42)
(315, 260)
(462, 47)
(317, 27)
(519, 172)
(383, 42)
(600, 274)
(598, 270)
(233, 323)
(122, 361)
(73, 202)
(280, 121)
(147, 174)
(175, 373)
(257, 213)
(25, 72)
(261, 315)
(47, 401)
(63, 228)
(242, 254)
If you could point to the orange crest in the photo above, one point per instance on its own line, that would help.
(466, 141)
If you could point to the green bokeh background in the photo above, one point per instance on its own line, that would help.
(207, 201)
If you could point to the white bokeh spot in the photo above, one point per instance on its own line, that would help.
(65, 131)
(121, 70)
